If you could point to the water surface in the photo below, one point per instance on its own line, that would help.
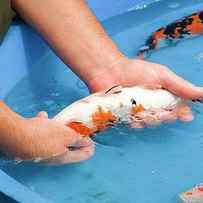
(133, 166)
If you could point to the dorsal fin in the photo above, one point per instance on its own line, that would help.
(114, 90)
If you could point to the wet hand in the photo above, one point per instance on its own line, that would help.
(130, 72)
(43, 139)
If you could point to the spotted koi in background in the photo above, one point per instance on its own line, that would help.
(187, 27)
(194, 195)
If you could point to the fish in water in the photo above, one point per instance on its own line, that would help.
(194, 195)
(136, 106)
(187, 27)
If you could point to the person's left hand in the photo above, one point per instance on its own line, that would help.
(130, 72)
(45, 140)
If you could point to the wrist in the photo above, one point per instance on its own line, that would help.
(99, 64)
(108, 76)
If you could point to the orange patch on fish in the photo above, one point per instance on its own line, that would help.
(159, 34)
(80, 128)
(102, 118)
(177, 33)
(200, 188)
(137, 108)
(188, 193)
(196, 27)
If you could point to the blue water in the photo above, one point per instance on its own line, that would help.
(132, 166)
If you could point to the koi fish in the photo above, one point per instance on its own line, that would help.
(194, 195)
(130, 105)
(187, 27)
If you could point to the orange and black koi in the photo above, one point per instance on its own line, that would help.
(187, 27)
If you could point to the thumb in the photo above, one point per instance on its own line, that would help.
(72, 156)
(71, 137)
(179, 86)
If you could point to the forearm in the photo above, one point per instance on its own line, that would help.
(74, 32)
(9, 126)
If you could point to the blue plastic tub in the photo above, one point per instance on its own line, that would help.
(22, 48)
(110, 177)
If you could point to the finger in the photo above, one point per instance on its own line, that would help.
(74, 156)
(42, 114)
(74, 139)
(136, 125)
(184, 112)
(152, 120)
(152, 86)
(167, 116)
(179, 86)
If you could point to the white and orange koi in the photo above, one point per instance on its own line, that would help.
(194, 195)
(130, 105)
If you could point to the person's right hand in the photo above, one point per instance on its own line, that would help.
(131, 72)
(47, 140)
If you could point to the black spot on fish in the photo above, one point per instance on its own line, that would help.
(173, 32)
(133, 102)
(201, 16)
(150, 42)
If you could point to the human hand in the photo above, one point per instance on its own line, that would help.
(130, 72)
(46, 140)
